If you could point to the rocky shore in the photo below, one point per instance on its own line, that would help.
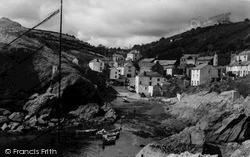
(29, 85)
(219, 125)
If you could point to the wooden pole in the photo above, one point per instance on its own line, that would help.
(59, 70)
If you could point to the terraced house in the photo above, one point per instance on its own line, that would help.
(240, 64)
(145, 81)
(203, 73)
(97, 65)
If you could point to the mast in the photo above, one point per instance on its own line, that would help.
(59, 70)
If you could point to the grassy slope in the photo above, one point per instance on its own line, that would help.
(222, 38)
(25, 70)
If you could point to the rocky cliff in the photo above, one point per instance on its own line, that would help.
(219, 123)
(29, 88)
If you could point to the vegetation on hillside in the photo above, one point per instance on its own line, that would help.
(222, 38)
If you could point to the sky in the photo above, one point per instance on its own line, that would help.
(121, 23)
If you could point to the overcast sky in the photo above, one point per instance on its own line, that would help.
(121, 23)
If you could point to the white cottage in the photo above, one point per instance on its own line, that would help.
(97, 65)
(239, 68)
(114, 73)
(144, 80)
(133, 55)
(203, 73)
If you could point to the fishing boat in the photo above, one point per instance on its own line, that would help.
(86, 132)
(124, 99)
(100, 133)
(108, 140)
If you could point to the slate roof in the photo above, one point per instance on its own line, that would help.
(96, 60)
(146, 64)
(147, 60)
(247, 52)
(245, 63)
(166, 62)
(150, 74)
(205, 58)
(189, 55)
(198, 67)
(134, 52)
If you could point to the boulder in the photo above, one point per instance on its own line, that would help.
(106, 107)
(110, 115)
(4, 127)
(43, 119)
(3, 119)
(34, 96)
(86, 112)
(185, 138)
(20, 128)
(246, 106)
(13, 125)
(198, 137)
(16, 116)
(44, 100)
(4, 112)
(32, 121)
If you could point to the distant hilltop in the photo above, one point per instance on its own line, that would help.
(218, 19)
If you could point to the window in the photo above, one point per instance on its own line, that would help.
(129, 70)
(140, 82)
(150, 83)
(158, 79)
(150, 78)
(119, 71)
(116, 72)
(129, 67)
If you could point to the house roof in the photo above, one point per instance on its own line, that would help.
(189, 55)
(146, 64)
(147, 60)
(96, 60)
(247, 52)
(128, 63)
(205, 58)
(245, 63)
(166, 62)
(149, 74)
(117, 55)
(198, 67)
(134, 52)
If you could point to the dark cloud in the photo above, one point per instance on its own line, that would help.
(121, 22)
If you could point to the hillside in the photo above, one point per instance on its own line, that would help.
(26, 68)
(222, 38)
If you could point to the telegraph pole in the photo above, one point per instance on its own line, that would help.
(59, 70)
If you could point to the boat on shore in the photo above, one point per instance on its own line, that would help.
(108, 140)
(124, 99)
(109, 137)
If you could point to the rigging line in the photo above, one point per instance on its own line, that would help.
(45, 20)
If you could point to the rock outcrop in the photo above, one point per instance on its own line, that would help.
(29, 80)
(216, 119)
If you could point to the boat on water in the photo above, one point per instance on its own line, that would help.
(86, 132)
